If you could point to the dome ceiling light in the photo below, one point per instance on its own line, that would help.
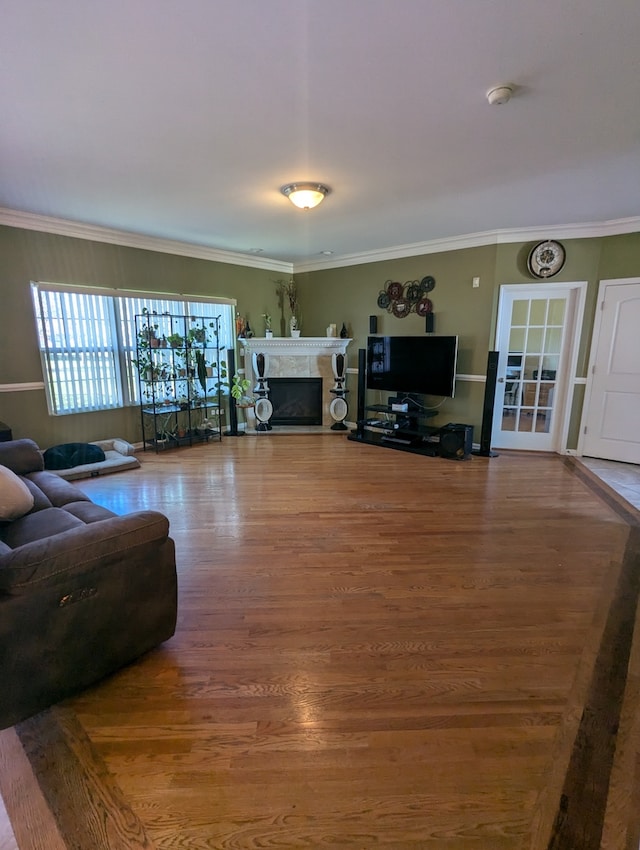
(305, 196)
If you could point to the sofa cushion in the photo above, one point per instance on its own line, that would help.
(38, 525)
(15, 497)
(58, 491)
(72, 454)
(88, 511)
(40, 501)
(21, 456)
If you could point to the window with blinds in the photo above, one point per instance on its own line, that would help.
(87, 343)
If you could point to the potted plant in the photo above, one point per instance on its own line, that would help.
(267, 325)
(239, 387)
(196, 336)
(201, 370)
(144, 365)
(147, 336)
(175, 340)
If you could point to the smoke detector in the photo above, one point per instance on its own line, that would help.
(499, 94)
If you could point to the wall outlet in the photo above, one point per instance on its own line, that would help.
(476, 282)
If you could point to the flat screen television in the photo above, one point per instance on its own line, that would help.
(425, 365)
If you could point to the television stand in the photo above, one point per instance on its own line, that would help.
(403, 424)
(403, 441)
(406, 430)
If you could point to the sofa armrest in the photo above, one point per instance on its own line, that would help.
(53, 560)
(21, 456)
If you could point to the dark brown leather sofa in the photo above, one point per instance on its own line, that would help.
(82, 590)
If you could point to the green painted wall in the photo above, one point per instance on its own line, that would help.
(620, 257)
(31, 256)
(350, 295)
(346, 295)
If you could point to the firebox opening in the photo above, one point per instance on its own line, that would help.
(296, 401)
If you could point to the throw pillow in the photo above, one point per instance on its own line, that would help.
(16, 499)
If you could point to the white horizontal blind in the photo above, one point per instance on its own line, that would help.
(87, 343)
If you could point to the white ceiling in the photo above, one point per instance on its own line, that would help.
(182, 120)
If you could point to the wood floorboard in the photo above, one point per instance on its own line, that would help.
(373, 649)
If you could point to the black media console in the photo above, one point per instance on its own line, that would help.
(398, 429)
(403, 424)
(409, 432)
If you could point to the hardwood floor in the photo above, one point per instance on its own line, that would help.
(374, 649)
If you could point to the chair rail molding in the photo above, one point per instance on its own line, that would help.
(18, 388)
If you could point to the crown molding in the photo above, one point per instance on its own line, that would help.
(588, 230)
(94, 233)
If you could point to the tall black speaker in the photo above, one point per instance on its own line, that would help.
(233, 413)
(362, 385)
(373, 324)
(487, 407)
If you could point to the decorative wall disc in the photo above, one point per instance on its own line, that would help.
(394, 290)
(404, 298)
(401, 307)
(414, 291)
(424, 307)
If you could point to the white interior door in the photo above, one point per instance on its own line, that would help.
(612, 401)
(537, 340)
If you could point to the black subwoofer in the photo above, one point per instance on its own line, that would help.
(456, 441)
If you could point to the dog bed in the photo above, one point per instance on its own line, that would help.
(84, 460)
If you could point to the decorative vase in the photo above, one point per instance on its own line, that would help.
(268, 334)
(295, 333)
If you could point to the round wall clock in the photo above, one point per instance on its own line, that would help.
(546, 258)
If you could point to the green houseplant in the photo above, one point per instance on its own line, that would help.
(239, 388)
(175, 340)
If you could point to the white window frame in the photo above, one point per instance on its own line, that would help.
(75, 324)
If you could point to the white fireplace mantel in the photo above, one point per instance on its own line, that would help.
(286, 357)
(276, 346)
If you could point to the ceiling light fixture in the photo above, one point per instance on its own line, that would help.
(305, 196)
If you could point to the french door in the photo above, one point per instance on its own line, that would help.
(536, 336)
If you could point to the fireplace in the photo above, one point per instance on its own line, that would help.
(285, 357)
(296, 401)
